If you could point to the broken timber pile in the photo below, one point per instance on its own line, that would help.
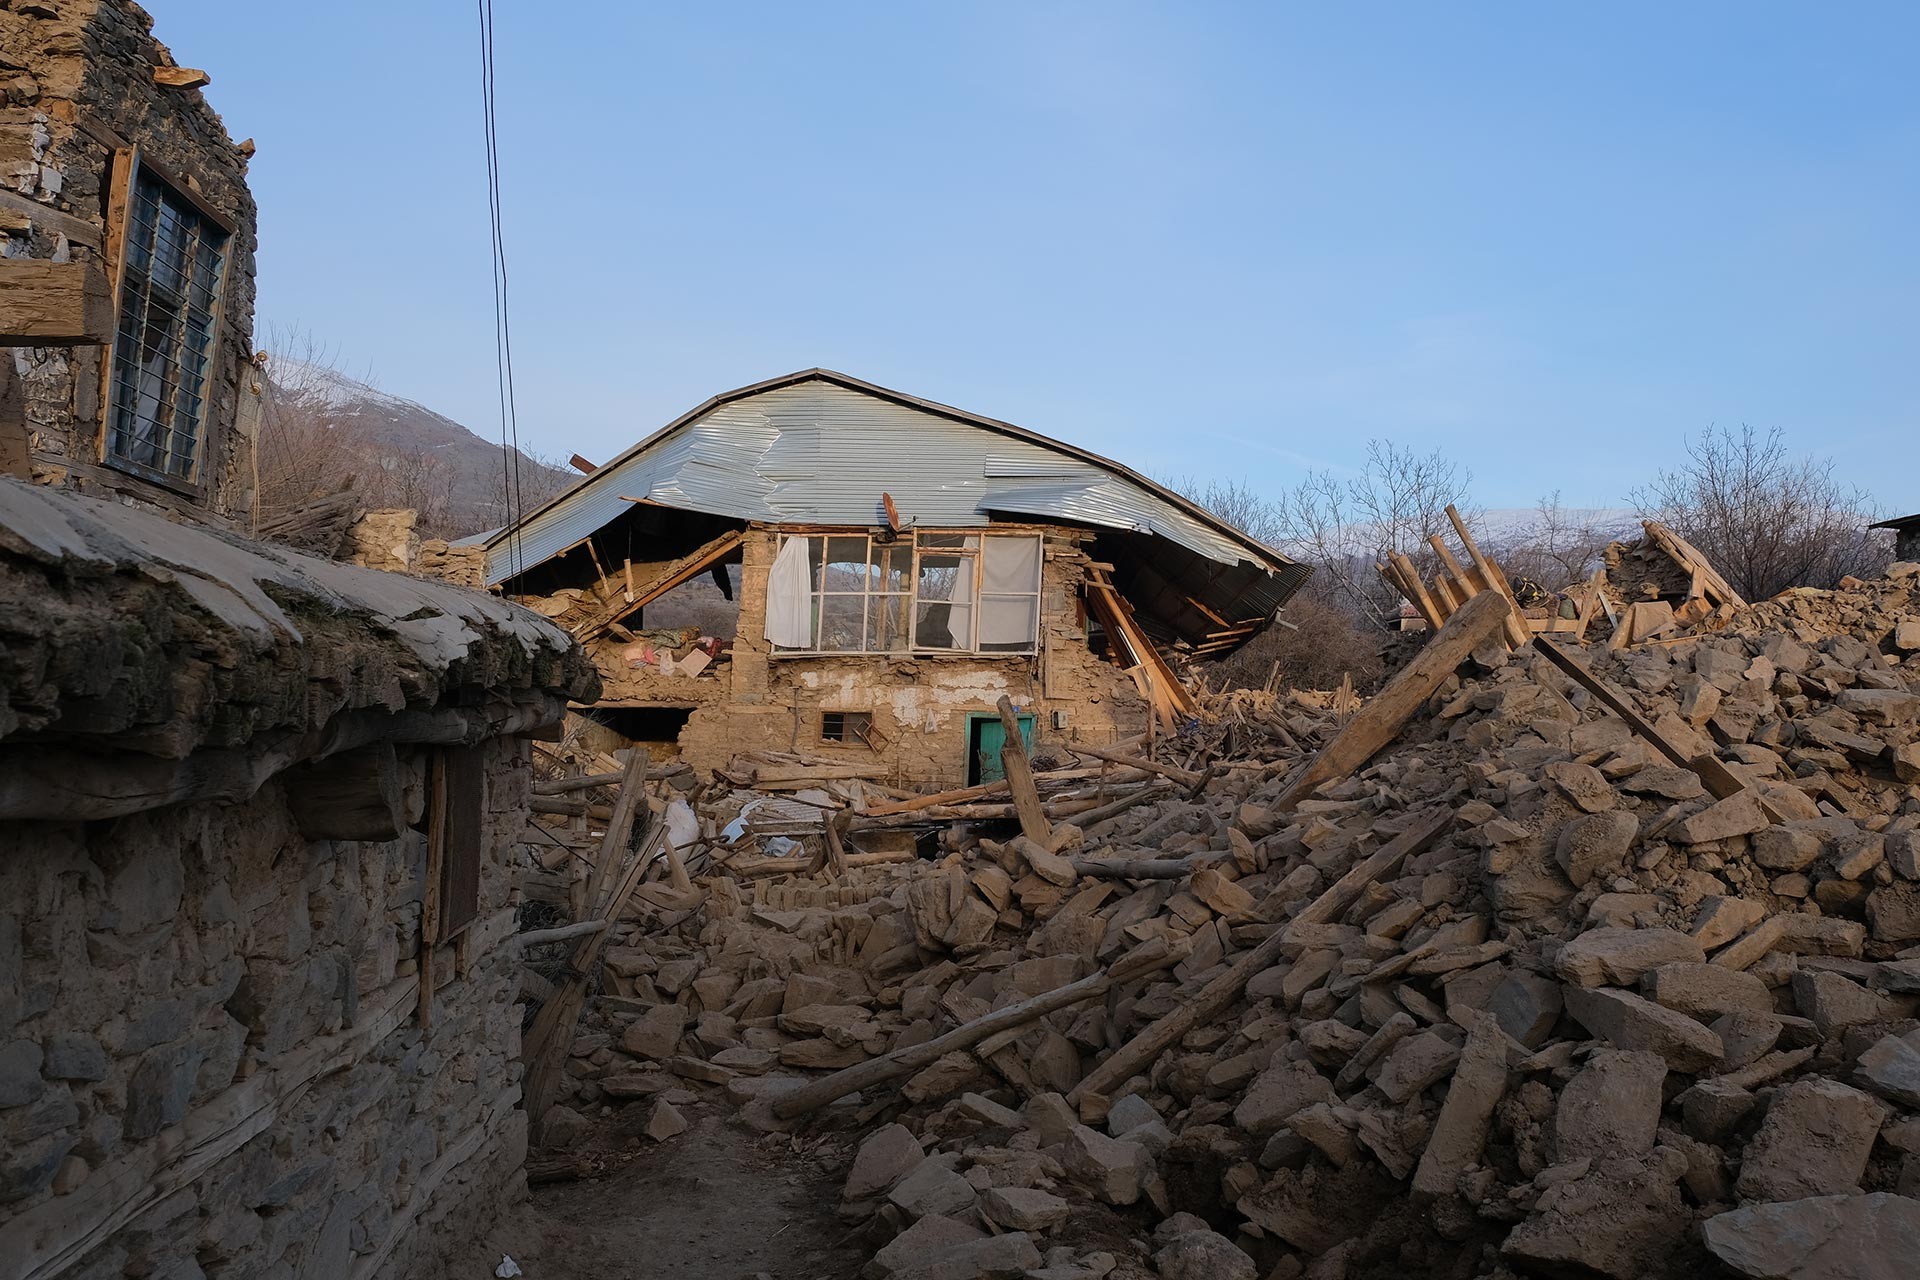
(1558, 960)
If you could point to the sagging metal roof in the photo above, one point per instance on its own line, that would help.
(819, 447)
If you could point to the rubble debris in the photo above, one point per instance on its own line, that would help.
(1547, 979)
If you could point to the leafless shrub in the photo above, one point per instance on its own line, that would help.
(1341, 527)
(1323, 643)
(316, 441)
(1767, 519)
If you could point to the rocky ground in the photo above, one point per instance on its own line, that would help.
(1598, 1014)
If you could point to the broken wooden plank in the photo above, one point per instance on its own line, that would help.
(1490, 569)
(1139, 1053)
(671, 575)
(1185, 777)
(1688, 557)
(1144, 959)
(1026, 795)
(551, 1036)
(1379, 722)
(1415, 590)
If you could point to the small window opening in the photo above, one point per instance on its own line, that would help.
(854, 727)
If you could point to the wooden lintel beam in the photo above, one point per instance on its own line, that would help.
(54, 304)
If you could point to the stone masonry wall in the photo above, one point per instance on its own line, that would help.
(920, 703)
(200, 983)
(73, 76)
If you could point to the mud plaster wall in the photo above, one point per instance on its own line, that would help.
(203, 979)
(921, 704)
(65, 70)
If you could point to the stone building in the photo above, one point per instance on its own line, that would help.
(252, 806)
(126, 267)
(817, 564)
(1906, 536)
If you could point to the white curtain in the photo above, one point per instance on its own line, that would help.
(790, 597)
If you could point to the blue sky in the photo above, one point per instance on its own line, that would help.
(1217, 240)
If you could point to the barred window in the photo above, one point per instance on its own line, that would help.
(171, 273)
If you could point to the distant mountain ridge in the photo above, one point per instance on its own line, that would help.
(420, 458)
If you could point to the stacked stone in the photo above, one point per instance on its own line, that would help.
(1610, 1024)
(464, 566)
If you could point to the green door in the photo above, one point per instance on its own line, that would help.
(986, 734)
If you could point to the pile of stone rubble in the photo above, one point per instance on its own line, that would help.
(1543, 1000)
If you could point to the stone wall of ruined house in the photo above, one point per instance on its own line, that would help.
(77, 79)
(201, 978)
(920, 704)
(388, 539)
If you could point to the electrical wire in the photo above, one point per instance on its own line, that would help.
(512, 498)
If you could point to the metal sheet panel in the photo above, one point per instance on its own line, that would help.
(821, 453)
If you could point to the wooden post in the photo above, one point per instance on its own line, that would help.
(818, 1093)
(1026, 795)
(1416, 590)
(430, 886)
(1516, 622)
(633, 795)
(1377, 723)
(551, 1036)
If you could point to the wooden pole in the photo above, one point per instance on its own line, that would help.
(1137, 1054)
(890, 1066)
(430, 884)
(1381, 719)
(1026, 795)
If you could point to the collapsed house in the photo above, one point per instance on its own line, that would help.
(1548, 960)
(883, 569)
(1906, 536)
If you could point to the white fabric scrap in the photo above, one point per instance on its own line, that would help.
(790, 597)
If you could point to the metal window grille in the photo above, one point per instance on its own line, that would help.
(171, 274)
(846, 726)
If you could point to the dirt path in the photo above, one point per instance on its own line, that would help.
(718, 1202)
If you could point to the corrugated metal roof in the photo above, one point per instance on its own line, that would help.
(819, 448)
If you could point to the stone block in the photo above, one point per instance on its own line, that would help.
(1629, 1022)
(1113, 1169)
(1278, 1092)
(884, 1157)
(1620, 957)
(1611, 1107)
(1870, 1237)
(1814, 1142)
(1705, 991)
(1024, 1208)
(932, 1187)
(1596, 845)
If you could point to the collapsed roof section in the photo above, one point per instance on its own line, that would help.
(820, 448)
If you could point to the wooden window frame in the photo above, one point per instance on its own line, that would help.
(972, 549)
(856, 727)
(127, 164)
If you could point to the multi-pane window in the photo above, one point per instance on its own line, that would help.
(963, 592)
(171, 272)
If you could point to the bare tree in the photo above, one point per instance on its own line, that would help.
(1556, 548)
(1344, 527)
(511, 495)
(1767, 519)
(1341, 527)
